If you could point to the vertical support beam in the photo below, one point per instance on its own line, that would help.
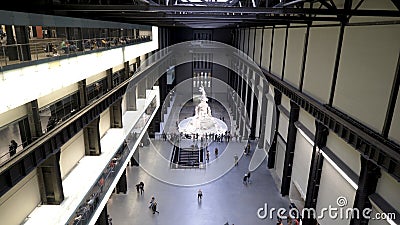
(142, 88)
(91, 135)
(131, 98)
(35, 125)
(50, 183)
(122, 185)
(22, 35)
(272, 149)
(126, 70)
(303, 64)
(103, 217)
(248, 44)
(284, 52)
(314, 177)
(336, 67)
(290, 147)
(367, 182)
(392, 101)
(263, 117)
(109, 74)
(83, 98)
(116, 114)
(272, 47)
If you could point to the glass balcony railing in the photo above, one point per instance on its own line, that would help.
(55, 49)
(84, 213)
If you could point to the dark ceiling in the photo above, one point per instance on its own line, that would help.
(208, 14)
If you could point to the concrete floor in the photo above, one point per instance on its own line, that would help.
(225, 199)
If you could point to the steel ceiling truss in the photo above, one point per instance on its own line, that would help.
(232, 13)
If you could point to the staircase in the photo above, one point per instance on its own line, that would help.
(187, 157)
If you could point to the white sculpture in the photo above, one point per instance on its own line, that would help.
(202, 122)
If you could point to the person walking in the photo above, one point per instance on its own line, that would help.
(208, 155)
(152, 200)
(245, 179)
(154, 207)
(248, 177)
(199, 195)
(236, 158)
(216, 152)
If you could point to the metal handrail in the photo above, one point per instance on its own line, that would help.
(18, 53)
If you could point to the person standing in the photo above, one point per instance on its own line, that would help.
(208, 155)
(13, 148)
(199, 195)
(141, 187)
(216, 152)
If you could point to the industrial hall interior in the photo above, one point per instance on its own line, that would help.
(200, 112)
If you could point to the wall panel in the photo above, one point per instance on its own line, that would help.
(283, 126)
(294, 55)
(251, 40)
(280, 157)
(246, 41)
(56, 95)
(105, 122)
(320, 62)
(345, 152)
(388, 188)
(277, 51)
(12, 115)
(333, 186)
(367, 67)
(301, 163)
(96, 77)
(307, 120)
(20, 201)
(394, 132)
(71, 153)
(257, 50)
(266, 48)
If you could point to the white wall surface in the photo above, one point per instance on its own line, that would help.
(301, 164)
(246, 39)
(20, 200)
(320, 62)
(388, 188)
(96, 77)
(71, 153)
(394, 132)
(280, 157)
(266, 47)
(332, 186)
(257, 50)
(12, 115)
(57, 95)
(105, 122)
(294, 55)
(251, 44)
(285, 102)
(366, 72)
(307, 120)
(283, 125)
(344, 152)
(277, 51)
